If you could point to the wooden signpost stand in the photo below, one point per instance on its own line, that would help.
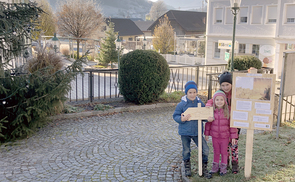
(252, 107)
(199, 113)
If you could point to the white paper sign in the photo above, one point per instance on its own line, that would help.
(264, 119)
(259, 105)
(261, 125)
(261, 111)
(237, 115)
(244, 105)
(241, 124)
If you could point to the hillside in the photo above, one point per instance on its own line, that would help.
(137, 8)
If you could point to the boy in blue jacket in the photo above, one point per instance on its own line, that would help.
(188, 129)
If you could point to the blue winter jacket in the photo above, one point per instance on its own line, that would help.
(189, 128)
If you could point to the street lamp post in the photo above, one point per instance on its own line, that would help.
(144, 43)
(118, 45)
(55, 42)
(235, 7)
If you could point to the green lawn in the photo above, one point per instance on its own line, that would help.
(273, 159)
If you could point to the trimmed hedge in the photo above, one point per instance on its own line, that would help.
(245, 62)
(143, 76)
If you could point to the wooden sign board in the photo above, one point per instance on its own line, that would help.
(199, 113)
(252, 107)
(252, 102)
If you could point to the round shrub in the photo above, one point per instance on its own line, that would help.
(143, 76)
(245, 62)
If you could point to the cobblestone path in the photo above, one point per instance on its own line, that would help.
(129, 146)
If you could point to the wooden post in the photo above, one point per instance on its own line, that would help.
(200, 134)
(249, 142)
(249, 151)
(199, 113)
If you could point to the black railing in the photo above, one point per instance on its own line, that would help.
(96, 84)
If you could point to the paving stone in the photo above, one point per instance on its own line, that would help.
(129, 146)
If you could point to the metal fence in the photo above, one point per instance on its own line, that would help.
(96, 84)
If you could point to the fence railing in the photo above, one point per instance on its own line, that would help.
(184, 59)
(96, 84)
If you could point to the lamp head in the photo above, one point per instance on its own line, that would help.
(235, 3)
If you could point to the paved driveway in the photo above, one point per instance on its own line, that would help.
(128, 146)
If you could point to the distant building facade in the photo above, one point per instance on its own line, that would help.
(264, 29)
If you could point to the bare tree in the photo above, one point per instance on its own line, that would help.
(163, 40)
(157, 10)
(46, 20)
(80, 19)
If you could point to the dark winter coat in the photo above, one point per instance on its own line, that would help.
(189, 128)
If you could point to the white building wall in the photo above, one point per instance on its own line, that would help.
(257, 30)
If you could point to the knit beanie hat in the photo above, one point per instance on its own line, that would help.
(219, 93)
(225, 77)
(189, 85)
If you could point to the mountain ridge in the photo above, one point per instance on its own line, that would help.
(137, 8)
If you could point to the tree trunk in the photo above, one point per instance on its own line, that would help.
(78, 49)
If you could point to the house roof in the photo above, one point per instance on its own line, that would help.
(124, 26)
(143, 25)
(188, 20)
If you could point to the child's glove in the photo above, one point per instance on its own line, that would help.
(185, 117)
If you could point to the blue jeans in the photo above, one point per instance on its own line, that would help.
(186, 147)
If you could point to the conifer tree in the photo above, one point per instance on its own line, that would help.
(108, 52)
(28, 96)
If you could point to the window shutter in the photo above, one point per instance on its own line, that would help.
(257, 15)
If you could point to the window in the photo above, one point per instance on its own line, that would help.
(271, 14)
(130, 39)
(255, 49)
(242, 48)
(218, 15)
(243, 15)
(256, 15)
(290, 14)
(228, 16)
(216, 51)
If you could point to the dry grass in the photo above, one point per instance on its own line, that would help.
(273, 159)
(44, 57)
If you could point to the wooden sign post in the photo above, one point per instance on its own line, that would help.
(252, 107)
(199, 113)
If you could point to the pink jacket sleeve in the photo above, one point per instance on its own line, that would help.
(207, 128)
(209, 103)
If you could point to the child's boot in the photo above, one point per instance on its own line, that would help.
(187, 167)
(223, 169)
(206, 174)
(215, 168)
(235, 167)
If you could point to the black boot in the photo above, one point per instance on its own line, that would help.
(235, 167)
(187, 167)
(206, 174)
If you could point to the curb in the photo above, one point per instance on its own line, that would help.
(115, 110)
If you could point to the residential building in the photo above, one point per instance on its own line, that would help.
(128, 31)
(263, 28)
(188, 27)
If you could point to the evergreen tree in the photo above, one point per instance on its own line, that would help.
(108, 52)
(28, 96)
